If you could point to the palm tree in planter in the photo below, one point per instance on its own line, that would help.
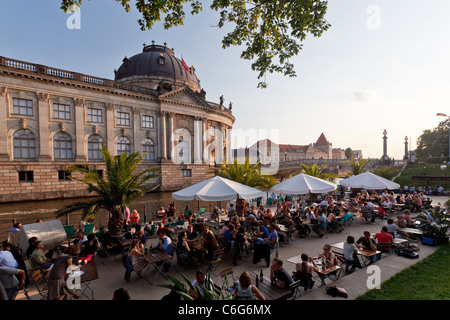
(120, 186)
(245, 173)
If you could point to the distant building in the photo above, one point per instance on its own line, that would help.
(321, 149)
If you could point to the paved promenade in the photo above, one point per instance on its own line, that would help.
(111, 271)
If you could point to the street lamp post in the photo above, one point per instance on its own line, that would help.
(444, 115)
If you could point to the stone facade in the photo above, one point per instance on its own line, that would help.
(51, 119)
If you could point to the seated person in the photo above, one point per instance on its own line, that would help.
(271, 239)
(214, 215)
(245, 290)
(165, 243)
(88, 249)
(400, 222)
(191, 235)
(185, 252)
(329, 258)
(268, 216)
(112, 244)
(228, 237)
(199, 282)
(304, 270)
(410, 222)
(350, 255)
(367, 243)
(38, 258)
(12, 280)
(278, 275)
(392, 227)
(81, 237)
(383, 236)
(261, 231)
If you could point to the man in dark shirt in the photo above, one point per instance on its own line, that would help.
(367, 243)
(278, 275)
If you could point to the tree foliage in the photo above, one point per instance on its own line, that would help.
(316, 171)
(116, 189)
(272, 31)
(349, 153)
(357, 166)
(434, 143)
(245, 173)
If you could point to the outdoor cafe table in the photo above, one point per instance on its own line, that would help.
(411, 231)
(328, 273)
(286, 231)
(90, 274)
(269, 290)
(366, 254)
(157, 259)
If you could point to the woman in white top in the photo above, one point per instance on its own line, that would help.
(245, 289)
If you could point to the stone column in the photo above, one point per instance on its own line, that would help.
(198, 140)
(80, 153)
(219, 151)
(170, 135)
(4, 128)
(43, 113)
(136, 130)
(205, 139)
(163, 136)
(110, 125)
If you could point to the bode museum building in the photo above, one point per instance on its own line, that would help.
(51, 119)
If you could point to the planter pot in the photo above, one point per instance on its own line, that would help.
(429, 241)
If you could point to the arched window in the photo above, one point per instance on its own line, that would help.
(123, 145)
(24, 145)
(95, 147)
(148, 146)
(62, 146)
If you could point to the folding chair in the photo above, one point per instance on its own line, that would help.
(385, 247)
(294, 287)
(227, 280)
(38, 278)
(341, 263)
(217, 258)
(183, 260)
(276, 248)
(88, 228)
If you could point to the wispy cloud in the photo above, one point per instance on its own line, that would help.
(363, 96)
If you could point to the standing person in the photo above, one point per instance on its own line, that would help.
(134, 217)
(57, 280)
(126, 219)
(245, 290)
(350, 254)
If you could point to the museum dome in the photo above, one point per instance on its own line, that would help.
(154, 64)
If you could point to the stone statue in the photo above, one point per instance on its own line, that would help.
(221, 100)
(230, 105)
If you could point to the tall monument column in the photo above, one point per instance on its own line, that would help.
(385, 156)
(406, 157)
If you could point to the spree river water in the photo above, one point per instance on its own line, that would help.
(29, 212)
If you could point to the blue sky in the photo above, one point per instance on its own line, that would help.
(352, 83)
